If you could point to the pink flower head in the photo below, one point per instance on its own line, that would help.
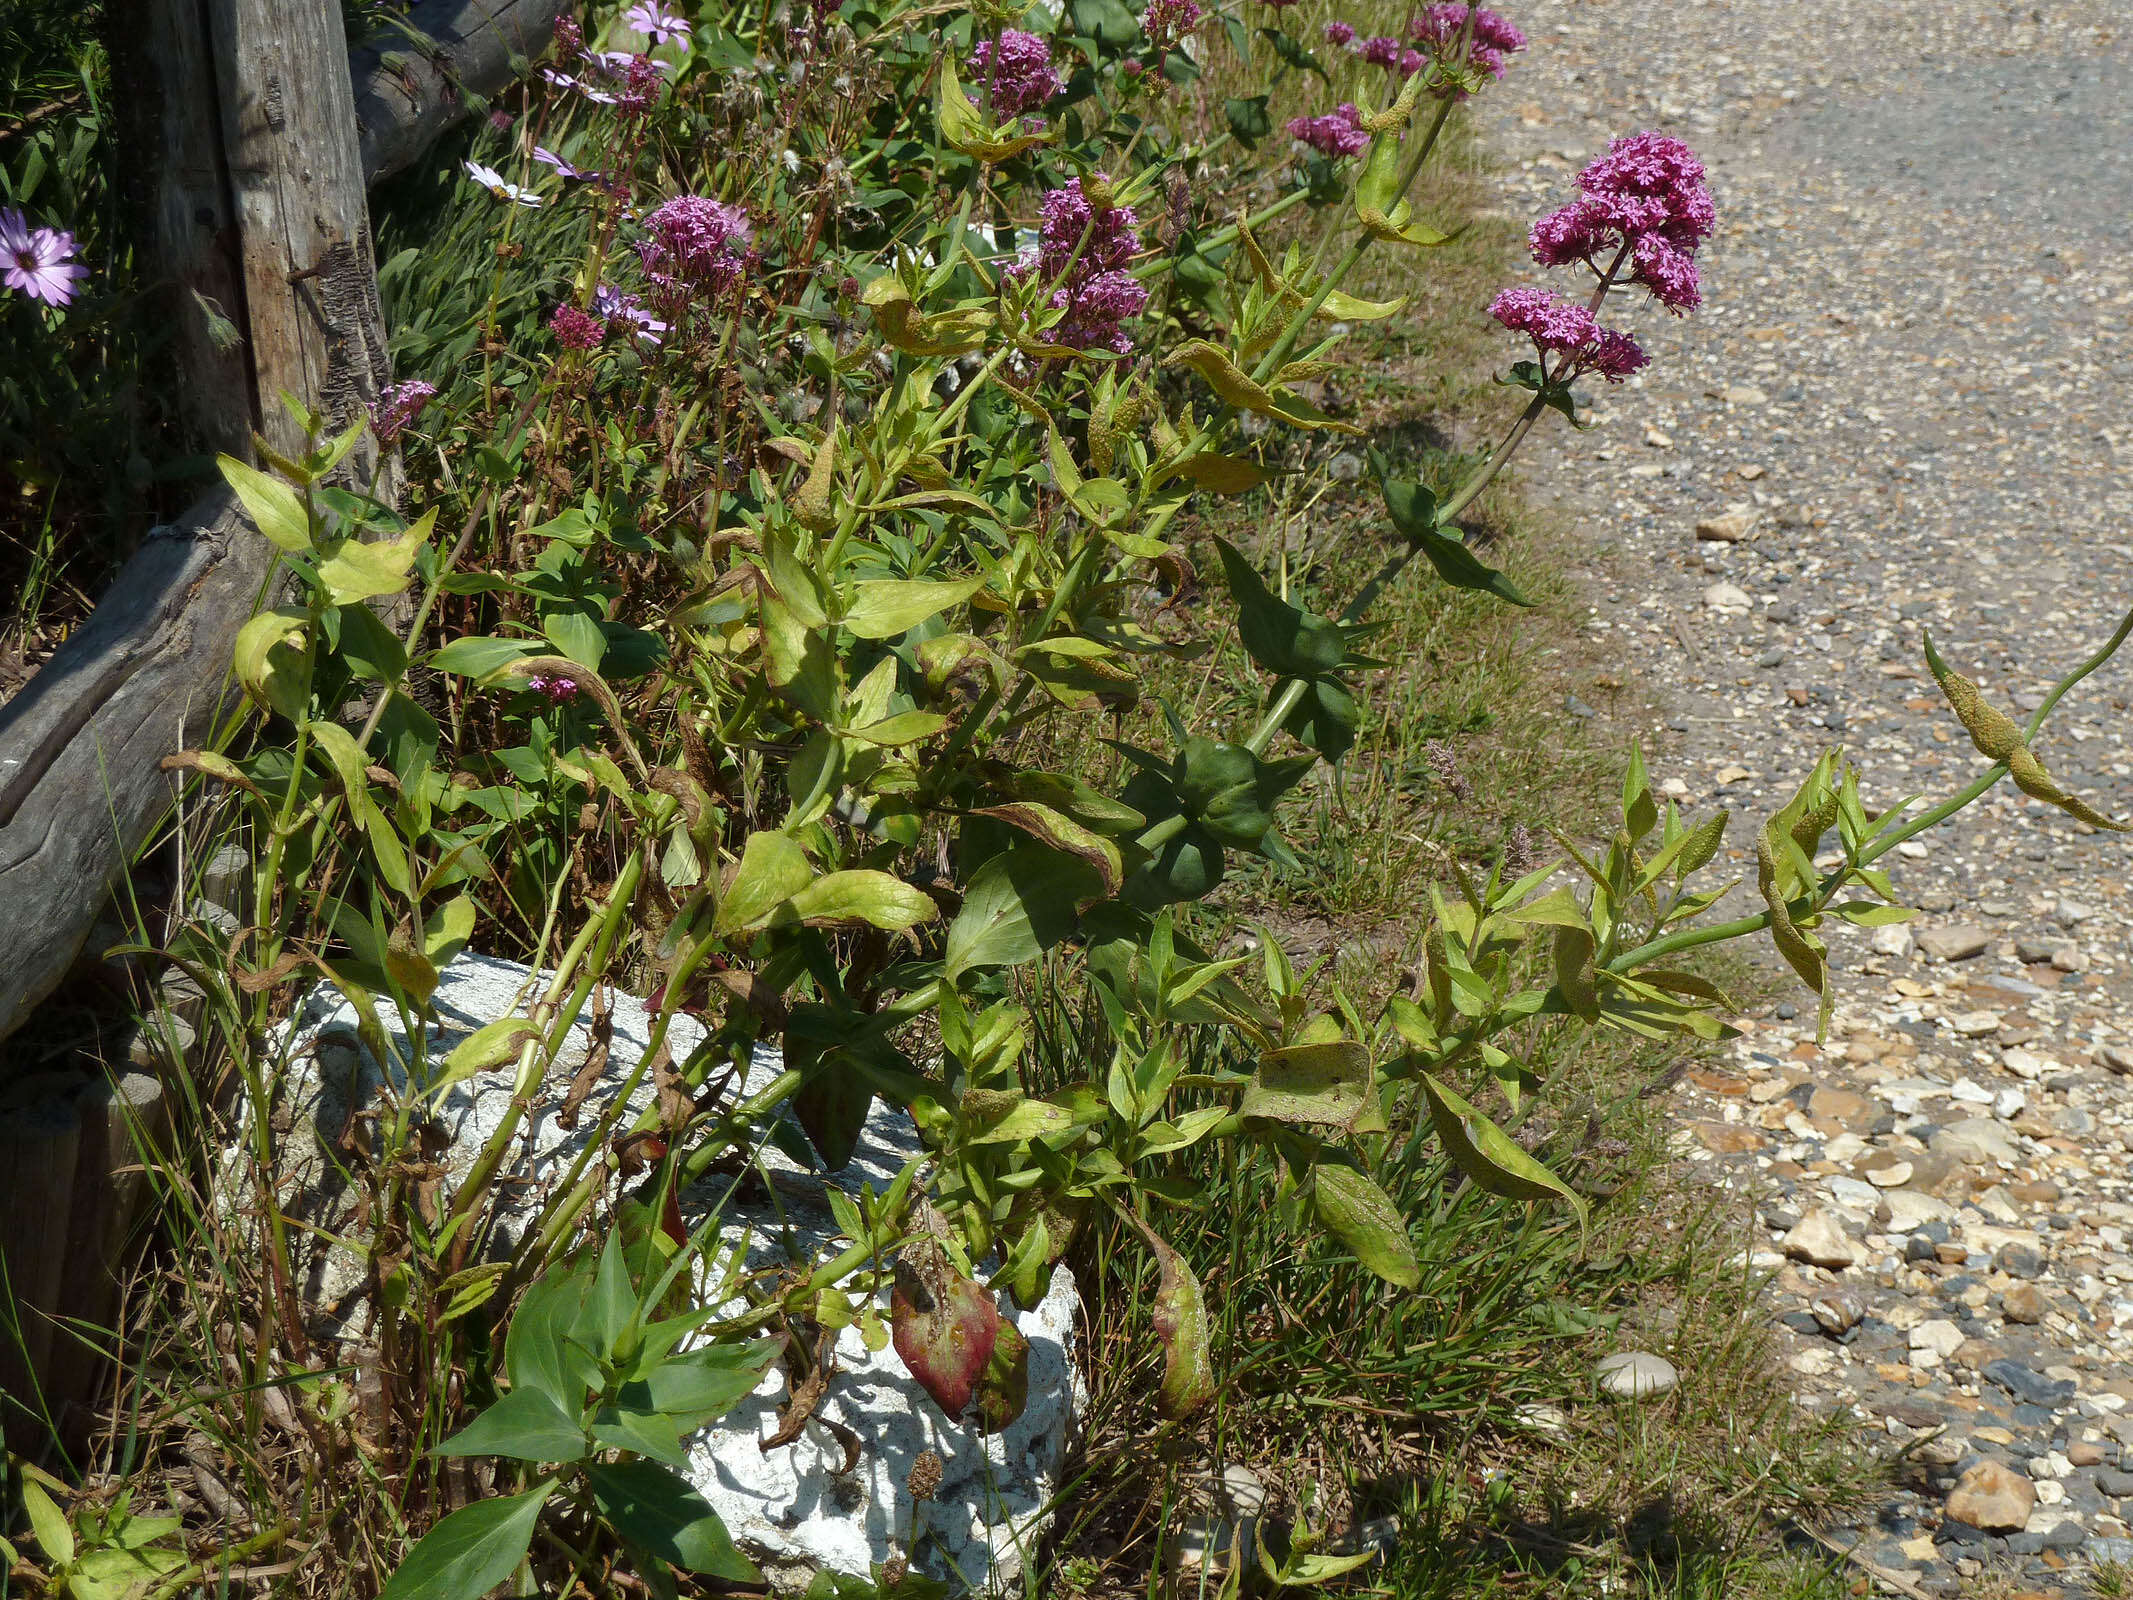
(1645, 197)
(1338, 133)
(695, 243)
(655, 24)
(34, 260)
(1085, 252)
(1026, 77)
(1339, 33)
(1489, 37)
(1412, 62)
(556, 689)
(569, 41)
(397, 405)
(627, 311)
(1380, 51)
(574, 330)
(1565, 329)
(1167, 21)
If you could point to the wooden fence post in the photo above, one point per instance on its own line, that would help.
(262, 220)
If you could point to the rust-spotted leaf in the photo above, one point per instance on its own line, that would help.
(944, 1326)
(1180, 1322)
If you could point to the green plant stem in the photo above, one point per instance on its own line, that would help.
(1495, 464)
(1226, 235)
(1739, 927)
(222, 1559)
(535, 1055)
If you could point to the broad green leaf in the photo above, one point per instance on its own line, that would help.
(1003, 1387)
(1040, 821)
(1489, 1156)
(364, 569)
(539, 1352)
(662, 1515)
(1282, 637)
(772, 870)
(857, 896)
(471, 1551)
(276, 509)
(883, 608)
(1019, 904)
(487, 1047)
(1413, 510)
(702, 1385)
(480, 658)
(55, 1537)
(1324, 1085)
(272, 660)
(1248, 120)
(1352, 1208)
(578, 637)
(644, 1433)
(526, 1425)
(832, 1106)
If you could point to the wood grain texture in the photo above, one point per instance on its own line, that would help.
(410, 89)
(261, 211)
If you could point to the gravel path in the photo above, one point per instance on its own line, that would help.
(1910, 402)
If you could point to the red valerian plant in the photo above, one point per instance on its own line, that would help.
(886, 403)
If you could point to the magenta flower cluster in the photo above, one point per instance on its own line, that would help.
(1568, 331)
(1643, 205)
(1091, 248)
(1339, 132)
(1340, 33)
(574, 330)
(556, 689)
(34, 261)
(692, 243)
(397, 405)
(1168, 21)
(1025, 77)
(1490, 36)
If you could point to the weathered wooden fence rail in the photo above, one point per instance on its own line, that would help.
(270, 132)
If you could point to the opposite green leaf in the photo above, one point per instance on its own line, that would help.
(471, 1551)
(1488, 1155)
(1352, 1208)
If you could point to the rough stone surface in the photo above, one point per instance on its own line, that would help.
(1992, 1497)
(791, 1508)
(1820, 1238)
(1953, 944)
(1635, 1375)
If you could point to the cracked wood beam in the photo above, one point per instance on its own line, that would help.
(270, 133)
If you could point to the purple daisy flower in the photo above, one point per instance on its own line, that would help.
(655, 24)
(35, 261)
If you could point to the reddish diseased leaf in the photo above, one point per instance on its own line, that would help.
(1180, 1321)
(944, 1326)
(1003, 1389)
